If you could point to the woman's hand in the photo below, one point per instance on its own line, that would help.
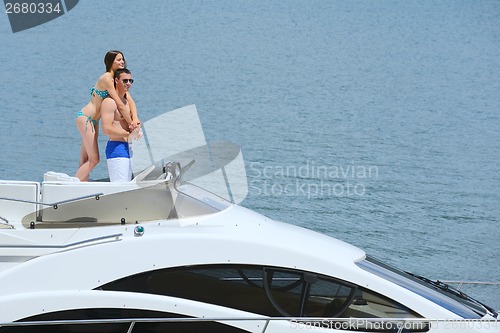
(134, 124)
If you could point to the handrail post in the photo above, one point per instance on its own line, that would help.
(265, 326)
(131, 327)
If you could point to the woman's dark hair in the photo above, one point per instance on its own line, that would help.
(109, 58)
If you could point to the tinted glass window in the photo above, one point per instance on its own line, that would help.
(268, 291)
(235, 287)
(111, 313)
(301, 294)
(441, 296)
(329, 298)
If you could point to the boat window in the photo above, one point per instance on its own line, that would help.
(300, 294)
(113, 327)
(269, 291)
(434, 291)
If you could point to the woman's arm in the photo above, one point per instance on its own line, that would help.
(133, 110)
(108, 84)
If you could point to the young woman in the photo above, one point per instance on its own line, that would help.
(87, 120)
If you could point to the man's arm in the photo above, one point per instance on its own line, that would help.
(108, 84)
(108, 108)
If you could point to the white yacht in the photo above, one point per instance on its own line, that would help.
(162, 254)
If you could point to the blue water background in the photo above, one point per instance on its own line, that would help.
(376, 122)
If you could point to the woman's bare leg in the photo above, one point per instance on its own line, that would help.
(89, 152)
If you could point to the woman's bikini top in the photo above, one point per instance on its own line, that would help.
(101, 93)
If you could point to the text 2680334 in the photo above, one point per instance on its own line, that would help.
(32, 8)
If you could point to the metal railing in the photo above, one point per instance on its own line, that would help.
(392, 324)
(462, 283)
(104, 239)
(54, 204)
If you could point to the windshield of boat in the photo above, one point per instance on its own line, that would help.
(435, 291)
(178, 136)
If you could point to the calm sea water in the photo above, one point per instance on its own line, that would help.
(374, 122)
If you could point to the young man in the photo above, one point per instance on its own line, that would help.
(116, 127)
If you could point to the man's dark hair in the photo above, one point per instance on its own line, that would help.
(119, 72)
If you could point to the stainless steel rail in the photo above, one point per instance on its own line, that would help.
(83, 242)
(462, 283)
(359, 323)
(54, 204)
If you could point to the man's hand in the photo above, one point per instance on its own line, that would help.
(136, 134)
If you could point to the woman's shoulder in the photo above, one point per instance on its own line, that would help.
(105, 78)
